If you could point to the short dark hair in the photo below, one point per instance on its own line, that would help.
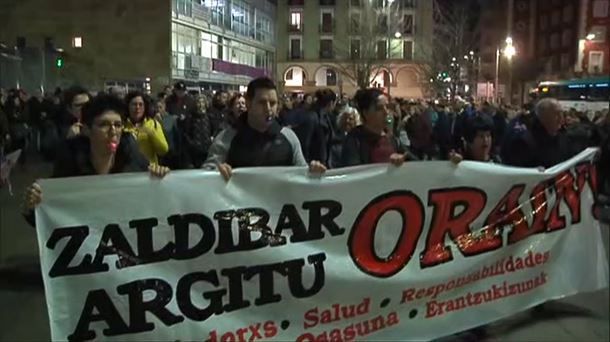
(148, 110)
(365, 98)
(324, 97)
(101, 104)
(475, 125)
(259, 83)
(73, 92)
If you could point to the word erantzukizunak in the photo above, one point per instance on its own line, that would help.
(255, 233)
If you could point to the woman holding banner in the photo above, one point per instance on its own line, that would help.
(372, 142)
(102, 149)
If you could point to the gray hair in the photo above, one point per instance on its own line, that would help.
(546, 105)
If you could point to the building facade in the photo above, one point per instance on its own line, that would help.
(210, 44)
(594, 49)
(554, 39)
(222, 44)
(319, 40)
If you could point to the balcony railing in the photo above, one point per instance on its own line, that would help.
(292, 28)
(297, 54)
(324, 54)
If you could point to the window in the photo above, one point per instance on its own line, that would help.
(396, 48)
(542, 45)
(327, 2)
(326, 22)
(600, 8)
(383, 23)
(355, 23)
(355, 3)
(599, 32)
(556, 18)
(596, 62)
(77, 42)
(554, 41)
(217, 7)
(184, 7)
(407, 24)
(295, 48)
(326, 48)
(544, 22)
(408, 50)
(289, 75)
(355, 48)
(381, 49)
(568, 13)
(296, 21)
(296, 2)
(565, 60)
(408, 3)
(566, 38)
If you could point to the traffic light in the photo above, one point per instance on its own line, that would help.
(59, 62)
(444, 74)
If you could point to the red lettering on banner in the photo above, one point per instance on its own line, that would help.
(508, 212)
(445, 221)
(362, 236)
(539, 205)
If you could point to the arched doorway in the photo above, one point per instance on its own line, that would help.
(326, 77)
(408, 84)
(295, 77)
(381, 79)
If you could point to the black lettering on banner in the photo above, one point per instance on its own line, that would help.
(295, 275)
(61, 266)
(185, 301)
(249, 221)
(317, 219)
(181, 224)
(156, 306)
(98, 301)
(146, 253)
(266, 284)
(290, 219)
(236, 289)
(113, 242)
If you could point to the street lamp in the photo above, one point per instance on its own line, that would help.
(590, 36)
(397, 34)
(509, 52)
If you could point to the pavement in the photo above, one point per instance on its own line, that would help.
(23, 312)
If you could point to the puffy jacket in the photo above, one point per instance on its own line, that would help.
(152, 145)
(197, 136)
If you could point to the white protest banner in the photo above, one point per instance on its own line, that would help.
(368, 253)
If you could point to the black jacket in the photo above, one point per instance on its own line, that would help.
(73, 159)
(359, 144)
(185, 106)
(197, 135)
(304, 123)
(534, 147)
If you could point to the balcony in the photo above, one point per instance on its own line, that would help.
(292, 28)
(295, 54)
(326, 54)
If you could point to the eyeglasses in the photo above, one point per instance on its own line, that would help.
(105, 126)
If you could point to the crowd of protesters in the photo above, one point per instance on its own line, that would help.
(109, 133)
(178, 130)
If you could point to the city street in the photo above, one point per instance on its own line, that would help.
(24, 317)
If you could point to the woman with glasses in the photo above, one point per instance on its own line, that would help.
(142, 125)
(102, 148)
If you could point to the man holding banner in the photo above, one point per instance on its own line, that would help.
(258, 139)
